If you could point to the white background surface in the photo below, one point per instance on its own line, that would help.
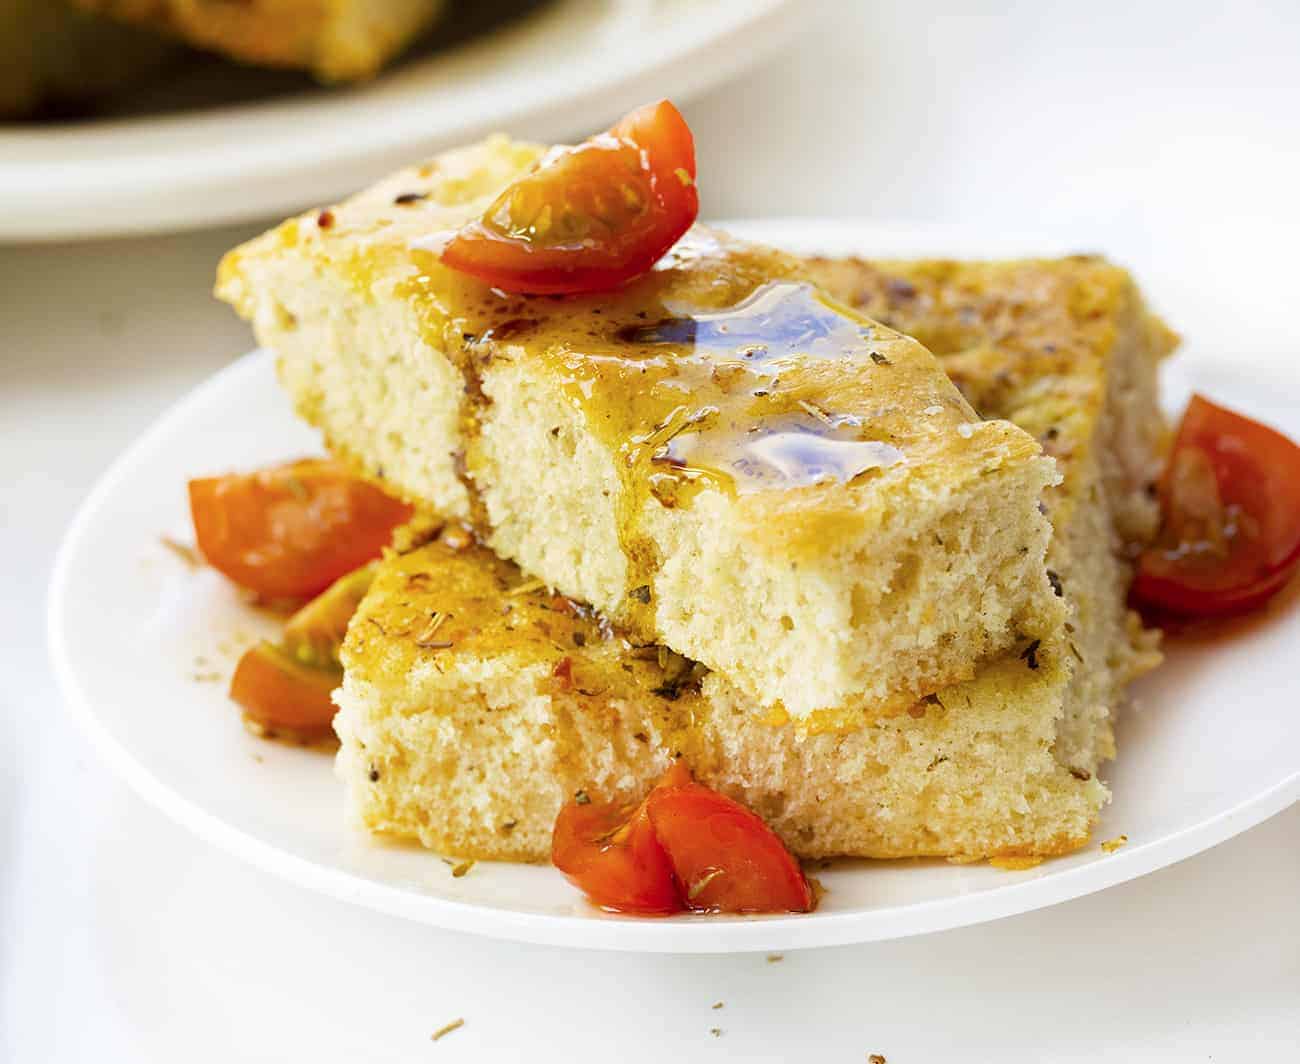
(1165, 134)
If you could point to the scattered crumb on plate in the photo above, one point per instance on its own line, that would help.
(446, 1029)
(183, 551)
(1118, 842)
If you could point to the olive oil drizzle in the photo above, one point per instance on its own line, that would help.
(716, 372)
(487, 608)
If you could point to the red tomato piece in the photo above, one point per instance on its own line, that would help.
(315, 633)
(611, 853)
(725, 857)
(283, 694)
(291, 531)
(684, 847)
(588, 218)
(1230, 517)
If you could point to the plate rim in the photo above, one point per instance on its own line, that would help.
(148, 190)
(677, 935)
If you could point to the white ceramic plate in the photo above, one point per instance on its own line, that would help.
(565, 68)
(143, 646)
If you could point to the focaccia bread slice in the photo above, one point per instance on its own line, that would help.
(475, 703)
(472, 746)
(336, 40)
(715, 456)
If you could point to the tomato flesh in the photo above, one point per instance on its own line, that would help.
(291, 531)
(287, 688)
(588, 218)
(315, 633)
(1230, 517)
(685, 847)
(281, 693)
(615, 858)
(726, 859)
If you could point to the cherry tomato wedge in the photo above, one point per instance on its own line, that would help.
(315, 633)
(697, 850)
(725, 858)
(612, 854)
(588, 218)
(291, 531)
(283, 694)
(1230, 517)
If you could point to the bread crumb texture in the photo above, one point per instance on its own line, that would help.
(717, 456)
(472, 749)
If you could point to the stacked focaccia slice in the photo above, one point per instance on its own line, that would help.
(878, 657)
(715, 456)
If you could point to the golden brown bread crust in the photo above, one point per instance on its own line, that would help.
(475, 703)
(1003, 767)
(1036, 342)
(716, 455)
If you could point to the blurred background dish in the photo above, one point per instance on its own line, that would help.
(154, 136)
(347, 40)
(53, 57)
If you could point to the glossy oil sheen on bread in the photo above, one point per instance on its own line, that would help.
(472, 745)
(717, 456)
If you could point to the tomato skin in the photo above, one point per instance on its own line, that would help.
(725, 857)
(616, 860)
(684, 847)
(315, 633)
(283, 694)
(290, 531)
(588, 218)
(1230, 509)
(1163, 599)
